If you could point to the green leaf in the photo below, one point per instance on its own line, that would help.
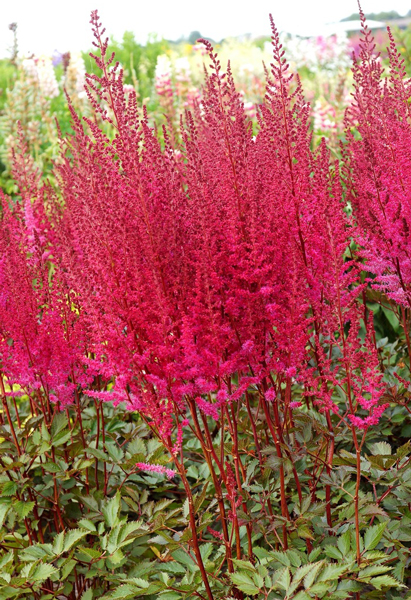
(304, 532)
(58, 543)
(9, 488)
(91, 552)
(87, 524)
(243, 564)
(373, 570)
(381, 448)
(61, 438)
(385, 581)
(4, 509)
(6, 559)
(73, 536)
(116, 557)
(301, 572)
(42, 572)
(51, 467)
(283, 580)
(141, 583)
(344, 543)
(181, 557)
(302, 596)
(244, 583)
(373, 535)
(332, 572)
(23, 508)
(111, 510)
(172, 567)
(281, 557)
(59, 422)
(39, 551)
(199, 499)
(333, 552)
(67, 568)
(310, 577)
(123, 592)
(88, 595)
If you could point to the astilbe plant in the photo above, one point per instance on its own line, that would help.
(209, 285)
(378, 170)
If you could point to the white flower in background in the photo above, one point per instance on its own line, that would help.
(30, 67)
(182, 69)
(41, 69)
(76, 75)
(330, 53)
(163, 74)
(246, 70)
(163, 67)
(127, 89)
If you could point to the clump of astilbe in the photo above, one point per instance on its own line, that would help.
(379, 169)
(40, 340)
(208, 285)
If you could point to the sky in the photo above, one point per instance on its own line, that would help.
(47, 25)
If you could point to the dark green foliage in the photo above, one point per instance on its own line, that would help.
(79, 520)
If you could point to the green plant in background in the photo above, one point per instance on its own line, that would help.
(138, 61)
(32, 106)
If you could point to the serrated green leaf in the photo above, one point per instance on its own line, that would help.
(310, 577)
(373, 570)
(138, 581)
(294, 557)
(42, 572)
(73, 536)
(385, 581)
(373, 535)
(111, 510)
(333, 552)
(88, 595)
(9, 488)
(91, 552)
(381, 448)
(123, 592)
(344, 543)
(243, 564)
(87, 524)
(301, 572)
(244, 583)
(302, 596)
(58, 543)
(6, 559)
(280, 557)
(51, 467)
(23, 508)
(181, 557)
(116, 557)
(36, 552)
(67, 568)
(172, 567)
(283, 578)
(332, 572)
(4, 509)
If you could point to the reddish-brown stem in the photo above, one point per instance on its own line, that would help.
(191, 510)
(284, 508)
